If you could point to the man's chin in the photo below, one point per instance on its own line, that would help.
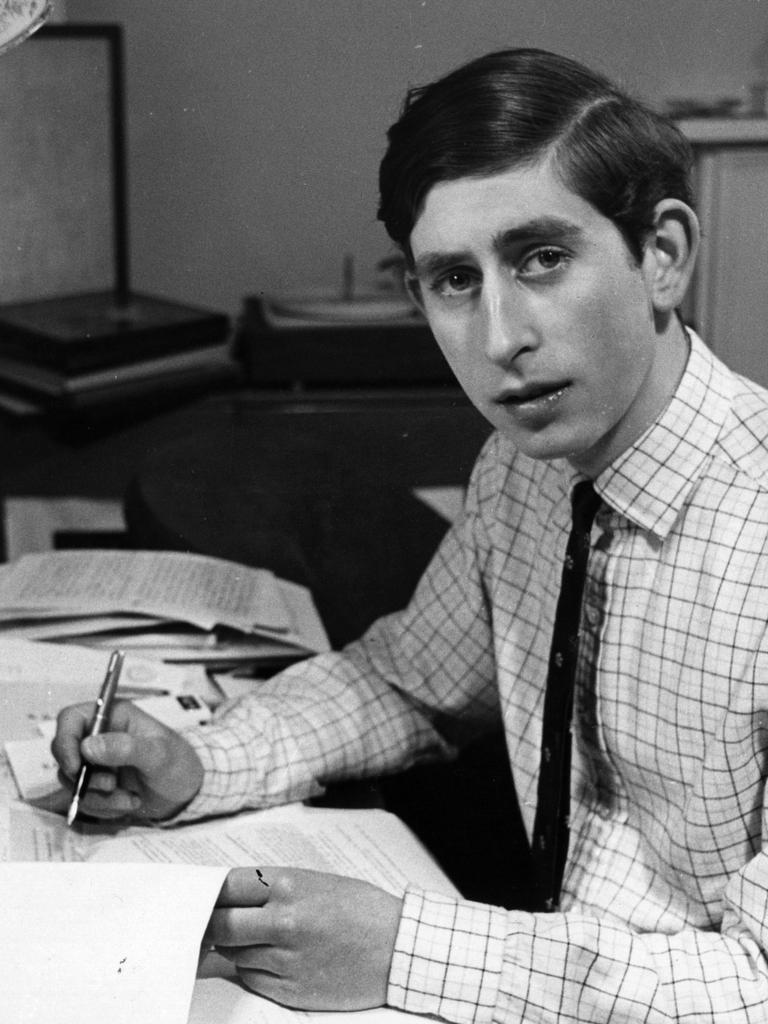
(542, 447)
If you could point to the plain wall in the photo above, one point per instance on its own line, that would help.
(256, 126)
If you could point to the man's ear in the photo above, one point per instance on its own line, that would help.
(670, 253)
(413, 288)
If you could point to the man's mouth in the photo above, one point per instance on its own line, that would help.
(533, 395)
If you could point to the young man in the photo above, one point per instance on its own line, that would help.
(547, 225)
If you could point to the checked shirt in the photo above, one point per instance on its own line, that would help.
(664, 915)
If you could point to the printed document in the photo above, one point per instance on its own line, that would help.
(189, 588)
(369, 844)
(373, 845)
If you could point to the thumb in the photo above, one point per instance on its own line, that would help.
(121, 749)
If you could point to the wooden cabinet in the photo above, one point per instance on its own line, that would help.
(728, 303)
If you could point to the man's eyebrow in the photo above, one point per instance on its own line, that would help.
(550, 229)
(431, 263)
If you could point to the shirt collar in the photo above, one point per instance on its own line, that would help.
(650, 482)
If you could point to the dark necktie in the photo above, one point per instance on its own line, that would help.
(550, 831)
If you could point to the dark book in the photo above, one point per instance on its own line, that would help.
(175, 373)
(82, 333)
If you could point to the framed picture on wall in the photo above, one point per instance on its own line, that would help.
(63, 207)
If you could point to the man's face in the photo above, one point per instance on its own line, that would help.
(542, 313)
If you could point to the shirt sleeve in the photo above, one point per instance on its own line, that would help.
(416, 686)
(473, 964)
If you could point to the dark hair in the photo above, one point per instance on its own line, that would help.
(512, 108)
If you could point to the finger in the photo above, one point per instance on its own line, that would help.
(239, 926)
(56, 802)
(111, 749)
(244, 887)
(253, 957)
(102, 782)
(98, 781)
(71, 725)
(264, 983)
(119, 804)
(274, 987)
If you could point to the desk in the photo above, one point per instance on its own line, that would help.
(321, 492)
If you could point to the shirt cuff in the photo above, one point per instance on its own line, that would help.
(239, 772)
(448, 958)
(211, 797)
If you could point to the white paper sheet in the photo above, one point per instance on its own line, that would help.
(182, 587)
(33, 834)
(226, 1001)
(34, 767)
(97, 943)
(306, 628)
(220, 998)
(57, 627)
(78, 670)
(8, 788)
(446, 501)
(369, 844)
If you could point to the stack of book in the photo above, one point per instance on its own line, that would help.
(171, 606)
(87, 351)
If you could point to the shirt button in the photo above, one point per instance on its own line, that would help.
(593, 615)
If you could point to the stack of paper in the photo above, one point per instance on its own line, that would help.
(173, 606)
(125, 918)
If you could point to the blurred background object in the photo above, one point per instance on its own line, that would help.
(74, 335)
(19, 19)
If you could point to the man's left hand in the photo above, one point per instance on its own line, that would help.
(307, 939)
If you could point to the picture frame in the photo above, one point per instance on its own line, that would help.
(63, 215)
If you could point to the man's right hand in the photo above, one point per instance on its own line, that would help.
(149, 771)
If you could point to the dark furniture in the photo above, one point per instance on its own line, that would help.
(321, 356)
(319, 492)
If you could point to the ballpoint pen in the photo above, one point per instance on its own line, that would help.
(99, 720)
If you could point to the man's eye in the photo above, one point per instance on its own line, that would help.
(453, 283)
(543, 261)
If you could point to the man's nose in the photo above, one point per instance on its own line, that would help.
(508, 325)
